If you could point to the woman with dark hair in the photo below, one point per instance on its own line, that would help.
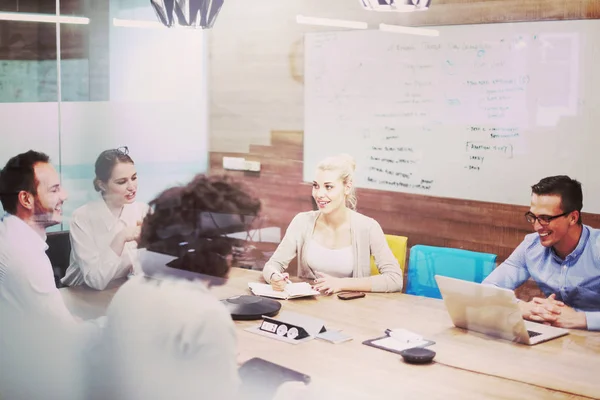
(104, 232)
(170, 337)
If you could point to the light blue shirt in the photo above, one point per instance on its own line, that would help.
(575, 280)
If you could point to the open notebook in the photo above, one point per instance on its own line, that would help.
(292, 290)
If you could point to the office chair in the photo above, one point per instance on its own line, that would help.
(427, 261)
(59, 253)
(398, 246)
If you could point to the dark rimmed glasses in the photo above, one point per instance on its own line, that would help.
(544, 220)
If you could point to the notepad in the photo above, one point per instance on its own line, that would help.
(397, 340)
(389, 343)
(292, 290)
(335, 337)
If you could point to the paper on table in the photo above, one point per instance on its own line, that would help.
(334, 337)
(394, 344)
(292, 290)
(403, 335)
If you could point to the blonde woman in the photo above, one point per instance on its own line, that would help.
(335, 243)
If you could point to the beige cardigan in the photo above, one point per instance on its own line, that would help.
(367, 239)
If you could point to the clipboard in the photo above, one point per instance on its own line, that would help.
(390, 344)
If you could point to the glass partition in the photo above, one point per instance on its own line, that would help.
(28, 86)
(107, 76)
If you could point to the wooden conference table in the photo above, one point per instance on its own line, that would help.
(467, 365)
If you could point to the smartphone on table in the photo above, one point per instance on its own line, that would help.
(350, 295)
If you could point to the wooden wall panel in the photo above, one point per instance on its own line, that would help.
(464, 224)
(256, 73)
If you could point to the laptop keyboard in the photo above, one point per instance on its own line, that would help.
(533, 334)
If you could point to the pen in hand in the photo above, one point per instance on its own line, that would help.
(279, 281)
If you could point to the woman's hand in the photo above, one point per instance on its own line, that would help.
(327, 284)
(127, 234)
(132, 233)
(278, 281)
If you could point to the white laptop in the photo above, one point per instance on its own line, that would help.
(491, 310)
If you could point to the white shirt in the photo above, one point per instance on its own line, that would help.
(43, 349)
(168, 338)
(42, 357)
(93, 228)
(27, 281)
(338, 263)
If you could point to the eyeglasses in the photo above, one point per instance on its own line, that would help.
(542, 219)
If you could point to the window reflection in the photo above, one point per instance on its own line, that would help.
(30, 6)
(111, 85)
(27, 62)
(28, 86)
(75, 64)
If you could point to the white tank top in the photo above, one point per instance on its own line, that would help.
(335, 262)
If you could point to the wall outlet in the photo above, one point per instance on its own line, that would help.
(234, 163)
(253, 166)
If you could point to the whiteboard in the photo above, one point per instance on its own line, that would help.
(481, 112)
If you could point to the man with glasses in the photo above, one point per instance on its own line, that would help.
(562, 257)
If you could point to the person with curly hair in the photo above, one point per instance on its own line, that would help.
(170, 337)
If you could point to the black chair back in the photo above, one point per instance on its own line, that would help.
(59, 253)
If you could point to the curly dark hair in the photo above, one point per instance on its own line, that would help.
(19, 175)
(190, 222)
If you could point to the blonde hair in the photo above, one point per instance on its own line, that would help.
(345, 165)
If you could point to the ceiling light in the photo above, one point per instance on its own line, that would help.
(55, 19)
(133, 23)
(338, 23)
(409, 30)
(396, 5)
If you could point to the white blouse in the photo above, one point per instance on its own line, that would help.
(26, 278)
(169, 338)
(93, 228)
(338, 263)
(30, 303)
